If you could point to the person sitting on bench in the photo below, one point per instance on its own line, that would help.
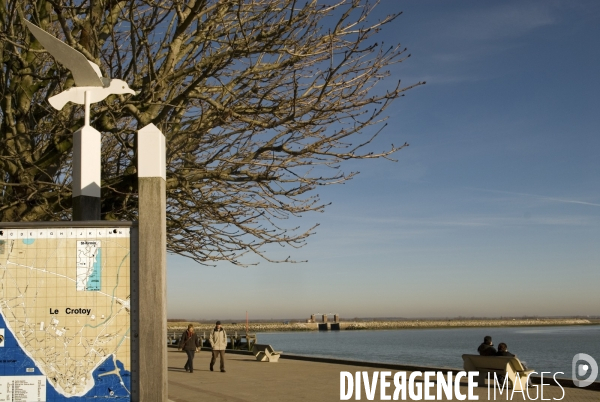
(503, 351)
(487, 348)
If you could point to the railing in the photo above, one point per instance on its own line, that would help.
(235, 341)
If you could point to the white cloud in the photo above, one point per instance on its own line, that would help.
(543, 197)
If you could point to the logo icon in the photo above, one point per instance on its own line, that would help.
(580, 369)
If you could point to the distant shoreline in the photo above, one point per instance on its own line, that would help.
(254, 327)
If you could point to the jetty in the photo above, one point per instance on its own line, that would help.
(311, 324)
(324, 325)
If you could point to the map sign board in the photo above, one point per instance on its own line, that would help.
(65, 312)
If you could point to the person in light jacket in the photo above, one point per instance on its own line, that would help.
(218, 342)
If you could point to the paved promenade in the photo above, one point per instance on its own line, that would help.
(247, 380)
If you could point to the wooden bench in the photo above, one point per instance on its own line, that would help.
(504, 366)
(265, 353)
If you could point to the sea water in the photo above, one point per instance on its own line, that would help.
(548, 349)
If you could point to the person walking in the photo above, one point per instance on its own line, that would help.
(218, 342)
(190, 343)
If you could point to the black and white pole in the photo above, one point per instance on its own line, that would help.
(150, 329)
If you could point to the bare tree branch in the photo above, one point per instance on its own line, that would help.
(261, 101)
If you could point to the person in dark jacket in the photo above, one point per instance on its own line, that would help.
(487, 347)
(503, 350)
(190, 343)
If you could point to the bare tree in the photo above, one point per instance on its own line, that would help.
(260, 100)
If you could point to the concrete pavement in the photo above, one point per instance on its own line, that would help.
(247, 380)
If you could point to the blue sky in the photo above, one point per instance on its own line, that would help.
(493, 209)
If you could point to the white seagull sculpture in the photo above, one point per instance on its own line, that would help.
(90, 87)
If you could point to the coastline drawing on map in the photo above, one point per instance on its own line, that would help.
(89, 264)
(65, 313)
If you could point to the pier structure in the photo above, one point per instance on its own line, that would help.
(324, 325)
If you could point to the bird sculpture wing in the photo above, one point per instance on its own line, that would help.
(83, 70)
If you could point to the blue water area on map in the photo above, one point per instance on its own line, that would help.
(14, 361)
(94, 281)
(28, 242)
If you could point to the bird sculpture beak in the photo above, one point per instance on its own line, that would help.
(127, 90)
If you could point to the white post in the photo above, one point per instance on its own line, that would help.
(149, 321)
(87, 143)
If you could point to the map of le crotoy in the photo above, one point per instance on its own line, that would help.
(64, 301)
